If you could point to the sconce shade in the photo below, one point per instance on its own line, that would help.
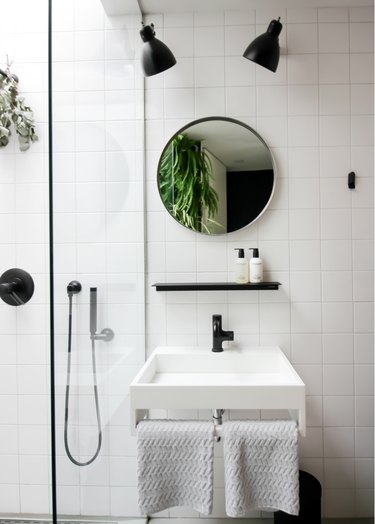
(156, 57)
(265, 49)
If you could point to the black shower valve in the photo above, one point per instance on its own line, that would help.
(16, 287)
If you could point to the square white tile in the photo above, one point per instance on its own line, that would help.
(209, 101)
(335, 130)
(337, 317)
(303, 38)
(237, 38)
(306, 348)
(209, 71)
(335, 224)
(339, 473)
(338, 410)
(333, 68)
(240, 101)
(303, 131)
(208, 41)
(306, 317)
(334, 193)
(304, 193)
(337, 348)
(338, 442)
(334, 99)
(361, 37)
(180, 39)
(303, 99)
(333, 38)
(271, 100)
(304, 224)
(302, 69)
(361, 68)
(305, 255)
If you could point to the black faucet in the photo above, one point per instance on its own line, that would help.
(218, 335)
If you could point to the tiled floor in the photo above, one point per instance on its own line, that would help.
(92, 520)
(77, 520)
(253, 521)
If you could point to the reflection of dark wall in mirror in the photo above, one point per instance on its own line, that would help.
(247, 194)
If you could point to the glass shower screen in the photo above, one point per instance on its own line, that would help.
(97, 126)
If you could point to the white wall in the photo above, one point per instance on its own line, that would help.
(24, 339)
(316, 238)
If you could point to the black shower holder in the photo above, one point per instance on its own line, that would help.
(16, 287)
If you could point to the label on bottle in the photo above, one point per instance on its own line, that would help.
(256, 273)
(241, 273)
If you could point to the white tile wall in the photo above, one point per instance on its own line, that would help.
(316, 113)
(24, 362)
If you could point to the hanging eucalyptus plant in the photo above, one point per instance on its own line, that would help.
(13, 110)
(184, 182)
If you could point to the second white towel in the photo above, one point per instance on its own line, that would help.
(175, 465)
(261, 466)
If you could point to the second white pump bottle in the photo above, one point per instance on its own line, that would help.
(255, 267)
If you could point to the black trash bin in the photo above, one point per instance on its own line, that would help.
(310, 495)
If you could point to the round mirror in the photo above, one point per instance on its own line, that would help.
(216, 175)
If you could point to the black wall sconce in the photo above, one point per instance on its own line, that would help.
(156, 57)
(264, 49)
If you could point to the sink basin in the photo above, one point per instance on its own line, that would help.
(237, 378)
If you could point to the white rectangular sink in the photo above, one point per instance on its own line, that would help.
(238, 378)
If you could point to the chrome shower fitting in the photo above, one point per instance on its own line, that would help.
(73, 288)
(217, 417)
(106, 334)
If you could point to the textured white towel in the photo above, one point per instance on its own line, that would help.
(175, 465)
(261, 466)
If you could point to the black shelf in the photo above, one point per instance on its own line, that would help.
(215, 286)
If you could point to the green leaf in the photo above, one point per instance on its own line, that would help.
(185, 176)
(14, 110)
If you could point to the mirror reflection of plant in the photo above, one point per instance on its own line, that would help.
(14, 110)
(185, 176)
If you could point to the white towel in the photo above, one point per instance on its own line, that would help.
(175, 465)
(261, 466)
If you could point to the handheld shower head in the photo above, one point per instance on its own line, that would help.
(73, 287)
(106, 334)
(93, 310)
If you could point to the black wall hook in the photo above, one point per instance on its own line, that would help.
(351, 180)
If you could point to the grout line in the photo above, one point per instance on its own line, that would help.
(322, 365)
(352, 270)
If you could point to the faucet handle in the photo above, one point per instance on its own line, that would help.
(216, 325)
(219, 335)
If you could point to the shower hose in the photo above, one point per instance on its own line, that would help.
(67, 395)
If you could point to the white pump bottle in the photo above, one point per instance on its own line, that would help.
(241, 268)
(255, 267)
